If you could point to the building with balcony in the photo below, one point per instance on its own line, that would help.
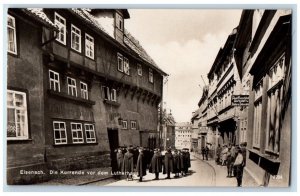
(78, 86)
(263, 56)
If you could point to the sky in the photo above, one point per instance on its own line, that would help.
(183, 43)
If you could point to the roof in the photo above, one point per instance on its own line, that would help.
(85, 14)
(40, 15)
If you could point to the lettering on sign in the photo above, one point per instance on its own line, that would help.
(240, 100)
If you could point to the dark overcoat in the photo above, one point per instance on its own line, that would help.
(168, 163)
(128, 162)
(141, 165)
(186, 161)
(120, 159)
(176, 163)
(155, 165)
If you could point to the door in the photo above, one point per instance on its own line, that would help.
(113, 137)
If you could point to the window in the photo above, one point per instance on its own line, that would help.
(75, 38)
(126, 66)
(139, 70)
(54, 80)
(120, 62)
(77, 136)
(89, 46)
(119, 21)
(60, 133)
(84, 90)
(17, 122)
(109, 94)
(113, 95)
(150, 75)
(72, 87)
(257, 115)
(61, 23)
(11, 34)
(133, 124)
(90, 133)
(275, 94)
(124, 124)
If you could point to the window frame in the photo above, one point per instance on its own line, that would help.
(113, 95)
(54, 80)
(87, 49)
(93, 140)
(120, 67)
(124, 122)
(80, 140)
(59, 129)
(118, 19)
(151, 79)
(24, 108)
(64, 27)
(73, 35)
(71, 86)
(126, 66)
(14, 28)
(133, 122)
(139, 69)
(84, 91)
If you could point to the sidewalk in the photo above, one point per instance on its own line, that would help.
(86, 176)
(221, 173)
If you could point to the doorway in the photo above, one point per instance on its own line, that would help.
(113, 138)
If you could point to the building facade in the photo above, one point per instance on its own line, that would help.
(263, 56)
(183, 135)
(79, 85)
(224, 81)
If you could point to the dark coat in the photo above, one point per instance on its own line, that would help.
(168, 163)
(155, 165)
(128, 162)
(186, 160)
(120, 159)
(141, 165)
(177, 163)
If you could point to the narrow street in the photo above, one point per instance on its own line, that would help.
(200, 174)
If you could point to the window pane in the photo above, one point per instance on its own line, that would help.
(57, 135)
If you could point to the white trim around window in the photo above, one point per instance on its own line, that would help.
(133, 124)
(17, 120)
(61, 23)
(11, 35)
(54, 80)
(126, 66)
(90, 133)
(84, 90)
(150, 75)
(75, 38)
(113, 95)
(139, 70)
(89, 46)
(120, 62)
(124, 124)
(72, 89)
(60, 133)
(77, 134)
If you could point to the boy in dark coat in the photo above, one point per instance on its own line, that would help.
(155, 165)
(128, 164)
(176, 164)
(168, 163)
(141, 165)
(120, 159)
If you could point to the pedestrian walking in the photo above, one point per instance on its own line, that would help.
(128, 164)
(156, 165)
(141, 165)
(168, 164)
(180, 153)
(224, 154)
(230, 160)
(203, 152)
(218, 154)
(206, 152)
(186, 161)
(239, 166)
(120, 159)
(176, 164)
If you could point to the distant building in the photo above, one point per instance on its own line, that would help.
(263, 55)
(168, 131)
(183, 135)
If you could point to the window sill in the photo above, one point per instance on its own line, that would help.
(12, 141)
(66, 96)
(76, 144)
(112, 103)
